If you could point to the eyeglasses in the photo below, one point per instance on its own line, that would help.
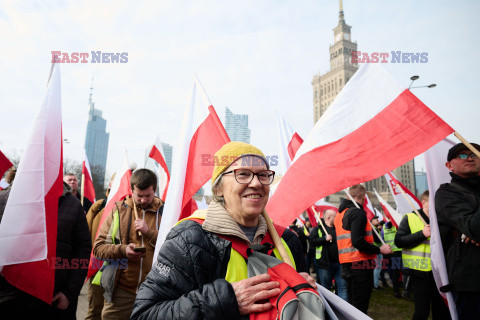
(245, 176)
(466, 156)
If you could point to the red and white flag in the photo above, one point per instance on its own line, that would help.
(373, 114)
(88, 191)
(120, 190)
(402, 204)
(158, 155)
(368, 207)
(437, 174)
(193, 161)
(5, 164)
(322, 205)
(28, 232)
(289, 141)
(391, 213)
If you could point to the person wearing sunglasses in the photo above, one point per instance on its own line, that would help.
(201, 271)
(458, 211)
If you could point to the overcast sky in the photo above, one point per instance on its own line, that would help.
(255, 57)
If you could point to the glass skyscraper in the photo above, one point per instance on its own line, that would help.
(236, 126)
(96, 142)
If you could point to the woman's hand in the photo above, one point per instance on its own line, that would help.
(250, 291)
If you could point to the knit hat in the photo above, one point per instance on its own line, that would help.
(229, 153)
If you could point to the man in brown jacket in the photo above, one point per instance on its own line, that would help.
(129, 254)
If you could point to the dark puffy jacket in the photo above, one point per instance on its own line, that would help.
(405, 239)
(458, 211)
(188, 279)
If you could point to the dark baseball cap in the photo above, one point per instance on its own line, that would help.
(459, 147)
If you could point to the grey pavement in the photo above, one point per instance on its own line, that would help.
(82, 307)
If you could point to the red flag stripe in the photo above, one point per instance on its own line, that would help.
(294, 145)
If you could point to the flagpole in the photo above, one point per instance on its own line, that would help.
(276, 240)
(136, 215)
(82, 189)
(371, 225)
(383, 214)
(411, 204)
(320, 221)
(467, 144)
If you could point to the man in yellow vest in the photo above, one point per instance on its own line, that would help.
(356, 250)
(414, 239)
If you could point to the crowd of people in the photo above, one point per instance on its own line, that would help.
(205, 268)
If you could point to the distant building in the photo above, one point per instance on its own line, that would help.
(96, 142)
(167, 150)
(327, 86)
(236, 126)
(421, 182)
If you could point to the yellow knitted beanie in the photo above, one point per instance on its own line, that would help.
(229, 153)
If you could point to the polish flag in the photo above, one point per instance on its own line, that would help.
(88, 191)
(437, 174)
(289, 141)
(312, 217)
(5, 164)
(373, 114)
(120, 190)
(322, 205)
(402, 204)
(158, 155)
(193, 161)
(368, 207)
(28, 232)
(391, 213)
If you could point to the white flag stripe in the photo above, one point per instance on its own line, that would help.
(173, 202)
(24, 221)
(366, 107)
(437, 174)
(285, 134)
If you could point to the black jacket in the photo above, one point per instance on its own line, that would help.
(329, 249)
(72, 255)
(404, 239)
(188, 279)
(355, 220)
(458, 211)
(301, 236)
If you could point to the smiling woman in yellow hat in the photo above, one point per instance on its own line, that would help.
(201, 270)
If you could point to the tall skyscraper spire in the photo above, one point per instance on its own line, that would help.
(90, 102)
(340, 14)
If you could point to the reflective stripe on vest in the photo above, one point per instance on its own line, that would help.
(112, 233)
(318, 250)
(346, 251)
(417, 258)
(389, 235)
(237, 265)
